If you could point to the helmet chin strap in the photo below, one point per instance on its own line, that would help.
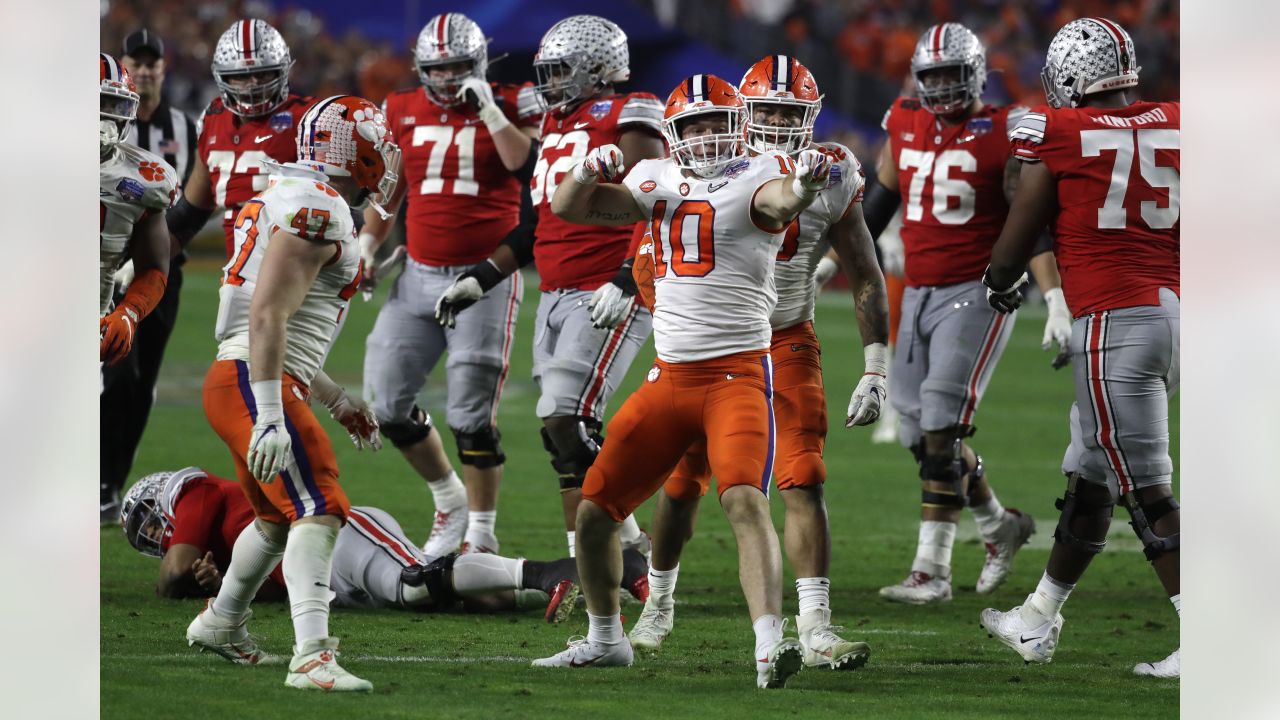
(108, 136)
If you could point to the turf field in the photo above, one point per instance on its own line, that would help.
(926, 662)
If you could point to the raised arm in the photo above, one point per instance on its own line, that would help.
(591, 198)
(780, 201)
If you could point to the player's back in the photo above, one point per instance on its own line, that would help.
(805, 241)
(1116, 234)
(132, 183)
(300, 203)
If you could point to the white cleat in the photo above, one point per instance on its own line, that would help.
(229, 639)
(886, 432)
(316, 667)
(920, 588)
(477, 542)
(581, 652)
(1033, 636)
(1017, 528)
(446, 532)
(1170, 667)
(654, 624)
(784, 660)
(823, 646)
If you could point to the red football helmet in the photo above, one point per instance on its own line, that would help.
(774, 81)
(347, 136)
(709, 150)
(119, 102)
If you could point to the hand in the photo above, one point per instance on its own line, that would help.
(868, 397)
(813, 170)
(1057, 328)
(207, 574)
(476, 92)
(115, 334)
(827, 269)
(609, 305)
(124, 276)
(354, 415)
(1004, 300)
(602, 163)
(375, 271)
(270, 449)
(892, 255)
(459, 296)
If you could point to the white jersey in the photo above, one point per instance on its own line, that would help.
(806, 240)
(296, 201)
(713, 266)
(133, 183)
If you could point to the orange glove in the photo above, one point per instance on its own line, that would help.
(117, 330)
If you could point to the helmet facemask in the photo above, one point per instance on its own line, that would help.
(947, 98)
(706, 154)
(119, 108)
(258, 98)
(563, 81)
(763, 136)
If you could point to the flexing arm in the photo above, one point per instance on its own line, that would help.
(780, 201)
(583, 199)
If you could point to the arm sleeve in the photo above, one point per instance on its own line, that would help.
(521, 238)
(879, 205)
(185, 220)
(194, 516)
(525, 173)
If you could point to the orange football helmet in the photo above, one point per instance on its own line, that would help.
(119, 102)
(780, 80)
(347, 136)
(708, 152)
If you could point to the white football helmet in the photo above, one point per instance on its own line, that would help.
(944, 46)
(577, 57)
(250, 47)
(141, 517)
(445, 39)
(118, 105)
(1090, 55)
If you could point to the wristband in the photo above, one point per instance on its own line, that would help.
(266, 397)
(487, 274)
(580, 174)
(493, 118)
(876, 357)
(801, 191)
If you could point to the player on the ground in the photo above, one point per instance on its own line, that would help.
(1104, 170)
(718, 219)
(467, 151)
(947, 155)
(281, 306)
(250, 123)
(191, 519)
(136, 188)
(782, 103)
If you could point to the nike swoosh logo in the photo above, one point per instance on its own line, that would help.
(326, 685)
(260, 138)
(1025, 639)
(580, 125)
(320, 584)
(716, 186)
(104, 193)
(592, 661)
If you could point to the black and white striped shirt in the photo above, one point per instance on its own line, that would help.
(171, 134)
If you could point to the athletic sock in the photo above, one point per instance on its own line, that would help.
(448, 493)
(476, 573)
(253, 558)
(605, 630)
(1050, 596)
(1177, 604)
(814, 594)
(480, 524)
(630, 531)
(308, 562)
(768, 629)
(530, 597)
(573, 542)
(662, 584)
(933, 551)
(545, 575)
(990, 516)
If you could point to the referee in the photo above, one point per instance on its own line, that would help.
(130, 385)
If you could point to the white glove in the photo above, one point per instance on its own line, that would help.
(482, 98)
(872, 390)
(124, 276)
(373, 270)
(813, 170)
(827, 269)
(1057, 329)
(459, 296)
(609, 305)
(892, 254)
(270, 449)
(354, 415)
(602, 163)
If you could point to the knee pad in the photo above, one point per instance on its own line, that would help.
(947, 468)
(1072, 507)
(404, 433)
(437, 577)
(1143, 519)
(480, 449)
(571, 463)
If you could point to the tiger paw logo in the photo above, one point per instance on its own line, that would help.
(151, 171)
(654, 372)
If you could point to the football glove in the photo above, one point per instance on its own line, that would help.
(613, 300)
(892, 257)
(872, 390)
(477, 93)
(374, 270)
(602, 163)
(465, 290)
(813, 170)
(354, 415)
(270, 447)
(115, 334)
(1004, 300)
(1057, 328)
(124, 276)
(827, 269)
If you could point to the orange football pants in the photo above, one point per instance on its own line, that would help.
(725, 403)
(800, 410)
(310, 492)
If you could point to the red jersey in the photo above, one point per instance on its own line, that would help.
(951, 178)
(233, 149)
(1116, 234)
(208, 513)
(462, 200)
(583, 256)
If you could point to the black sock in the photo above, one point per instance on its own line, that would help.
(545, 576)
(634, 567)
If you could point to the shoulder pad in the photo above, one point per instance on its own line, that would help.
(642, 108)
(1028, 135)
(1014, 115)
(215, 108)
(176, 485)
(311, 210)
(528, 102)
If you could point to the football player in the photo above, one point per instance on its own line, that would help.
(1104, 170)
(782, 103)
(589, 327)
(281, 304)
(947, 155)
(467, 151)
(718, 218)
(250, 123)
(191, 519)
(136, 188)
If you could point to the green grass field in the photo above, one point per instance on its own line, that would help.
(926, 662)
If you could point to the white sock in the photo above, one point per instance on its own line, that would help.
(933, 551)
(1050, 596)
(630, 530)
(253, 558)
(990, 516)
(606, 629)
(1177, 604)
(448, 493)
(573, 542)
(662, 584)
(476, 573)
(814, 593)
(480, 525)
(768, 630)
(308, 561)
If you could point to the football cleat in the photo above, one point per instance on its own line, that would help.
(823, 646)
(109, 512)
(446, 532)
(1033, 636)
(581, 652)
(920, 588)
(1170, 667)
(784, 660)
(229, 639)
(564, 599)
(1017, 528)
(477, 542)
(654, 625)
(315, 667)
(640, 588)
